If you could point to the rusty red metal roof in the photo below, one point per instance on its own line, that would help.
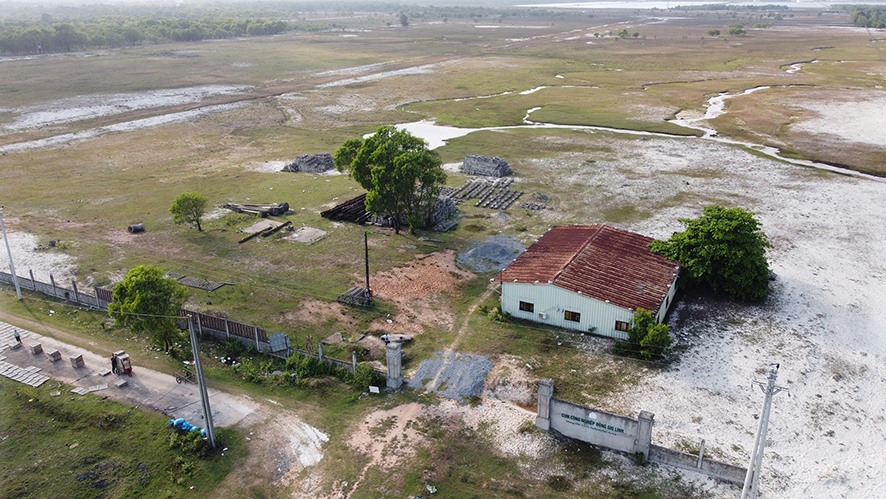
(598, 261)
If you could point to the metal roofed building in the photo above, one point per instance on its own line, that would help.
(589, 278)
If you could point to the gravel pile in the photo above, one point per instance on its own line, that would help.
(452, 375)
(495, 253)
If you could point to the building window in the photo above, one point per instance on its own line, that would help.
(572, 316)
(525, 306)
(623, 326)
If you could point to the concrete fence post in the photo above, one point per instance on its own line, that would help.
(644, 433)
(394, 357)
(545, 394)
(199, 325)
(700, 454)
(33, 281)
(76, 293)
(227, 329)
(54, 291)
(255, 331)
(320, 349)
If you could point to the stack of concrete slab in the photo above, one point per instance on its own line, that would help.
(26, 375)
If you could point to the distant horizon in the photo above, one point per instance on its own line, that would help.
(673, 4)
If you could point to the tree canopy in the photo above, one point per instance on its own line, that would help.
(725, 248)
(148, 302)
(189, 208)
(402, 177)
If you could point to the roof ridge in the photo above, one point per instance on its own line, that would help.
(587, 242)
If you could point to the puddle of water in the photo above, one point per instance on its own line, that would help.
(532, 90)
(797, 66)
(437, 135)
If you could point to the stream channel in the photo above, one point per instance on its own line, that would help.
(437, 135)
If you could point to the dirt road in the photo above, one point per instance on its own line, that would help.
(280, 443)
(146, 388)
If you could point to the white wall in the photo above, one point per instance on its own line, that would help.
(553, 301)
(668, 301)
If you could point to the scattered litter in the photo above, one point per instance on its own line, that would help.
(183, 425)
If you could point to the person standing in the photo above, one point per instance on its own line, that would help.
(114, 367)
(17, 336)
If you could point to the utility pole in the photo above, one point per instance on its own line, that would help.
(752, 479)
(366, 259)
(201, 383)
(18, 290)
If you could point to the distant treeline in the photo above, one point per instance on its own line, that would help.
(716, 6)
(49, 35)
(30, 29)
(868, 16)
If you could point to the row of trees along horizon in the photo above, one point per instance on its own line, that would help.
(29, 30)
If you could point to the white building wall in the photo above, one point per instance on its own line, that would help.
(553, 301)
(668, 301)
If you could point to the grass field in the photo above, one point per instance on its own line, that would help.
(86, 446)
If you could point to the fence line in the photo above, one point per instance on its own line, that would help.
(219, 328)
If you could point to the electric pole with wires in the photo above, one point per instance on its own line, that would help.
(752, 479)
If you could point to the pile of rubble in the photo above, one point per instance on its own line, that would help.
(311, 163)
(477, 164)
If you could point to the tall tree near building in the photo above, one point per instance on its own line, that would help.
(402, 177)
(148, 302)
(725, 248)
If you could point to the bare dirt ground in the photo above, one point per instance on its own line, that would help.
(418, 291)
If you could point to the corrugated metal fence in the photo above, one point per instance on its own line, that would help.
(219, 328)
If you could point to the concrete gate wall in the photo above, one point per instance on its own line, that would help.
(591, 425)
(622, 433)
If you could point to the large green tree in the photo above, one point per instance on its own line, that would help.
(725, 248)
(189, 207)
(402, 177)
(148, 302)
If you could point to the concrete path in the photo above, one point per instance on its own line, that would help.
(145, 388)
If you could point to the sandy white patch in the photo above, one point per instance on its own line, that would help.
(424, 69)
(267, 166)
(43, 262)
(823, 322)
(858, 120)
(94, 106)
